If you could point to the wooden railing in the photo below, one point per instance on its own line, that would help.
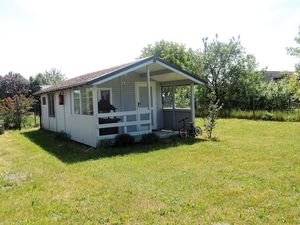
(138, 122)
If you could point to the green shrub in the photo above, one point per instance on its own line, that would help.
(63, 136)
(104, 144)
(267, 116)
(150, 138)
(292, 115)
(123, 140)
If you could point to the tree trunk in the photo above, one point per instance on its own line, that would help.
(253, 107)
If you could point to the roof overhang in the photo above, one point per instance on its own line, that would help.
(159, 71)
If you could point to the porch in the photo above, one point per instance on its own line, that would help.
(150, 98)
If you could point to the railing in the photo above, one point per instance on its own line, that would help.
(138, 123)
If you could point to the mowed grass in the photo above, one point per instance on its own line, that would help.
(251, 175)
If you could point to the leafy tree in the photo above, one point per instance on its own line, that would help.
(12, 84)
(295, 51)
(34, 85)
(174, 53)
(253, 88)
(49, 77)
(280, 95)
(13, 110)
(52, 76)
(226, 66)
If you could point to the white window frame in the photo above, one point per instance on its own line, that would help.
(53, 106)
(73, 104)
(81, 111)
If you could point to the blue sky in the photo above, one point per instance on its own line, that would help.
(84, 36)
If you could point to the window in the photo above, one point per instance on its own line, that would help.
(87, 101)
(105, 100)
(51, 105)
(61, 99)
(167, 97)
(44, 100)
(76, 101)
(182, 97)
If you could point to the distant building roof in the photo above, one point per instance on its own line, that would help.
(275, 75)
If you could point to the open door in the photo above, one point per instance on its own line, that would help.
(141, 94)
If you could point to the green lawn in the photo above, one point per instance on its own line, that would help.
(251, 175)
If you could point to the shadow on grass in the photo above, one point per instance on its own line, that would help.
(73, 152)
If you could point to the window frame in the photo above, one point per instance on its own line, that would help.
(172, 96)
(73, 101)
(44, 100)
(51, 105)
(90, 89)
(190, 98)
(61, 99)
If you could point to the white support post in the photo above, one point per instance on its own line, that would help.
(173, 108)
(95, 108)
(193, 102)
(149, 97)
(125, 120)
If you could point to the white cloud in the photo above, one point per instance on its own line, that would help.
(83, 36)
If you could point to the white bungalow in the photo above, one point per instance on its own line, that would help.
(103, 104)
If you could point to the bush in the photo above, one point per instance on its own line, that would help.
(150, 138)
(292, 115)
(267, 116)
(104, 144)
(123, 140)
(15, 110)
(63, 136)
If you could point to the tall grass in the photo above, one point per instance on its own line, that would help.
(262, 114)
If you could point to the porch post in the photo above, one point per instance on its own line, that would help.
(193, 102)
(173, 108)
(95, 108)
(149, 97)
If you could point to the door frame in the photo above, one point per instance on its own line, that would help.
(139, 84)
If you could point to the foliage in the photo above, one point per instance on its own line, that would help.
(63, 136)
(12, 84)
(174, 53)
(230, 72)
(123, 140)
(295, 51)
(103, 144)
(237, 180)
(292, 115)
(150, 138)
(226, 68)
(182, 97)
(49, 77)
(14, 110)
(210, 121)
(280, 95)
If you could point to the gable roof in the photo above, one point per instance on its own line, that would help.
(109, 73)
(275, 75)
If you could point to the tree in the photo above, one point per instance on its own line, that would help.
(295, 51)
(49, 77)
(13, 110)
(174, 53)
(13, 84)
(226, 66)
(280, 95)
(53, 76)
